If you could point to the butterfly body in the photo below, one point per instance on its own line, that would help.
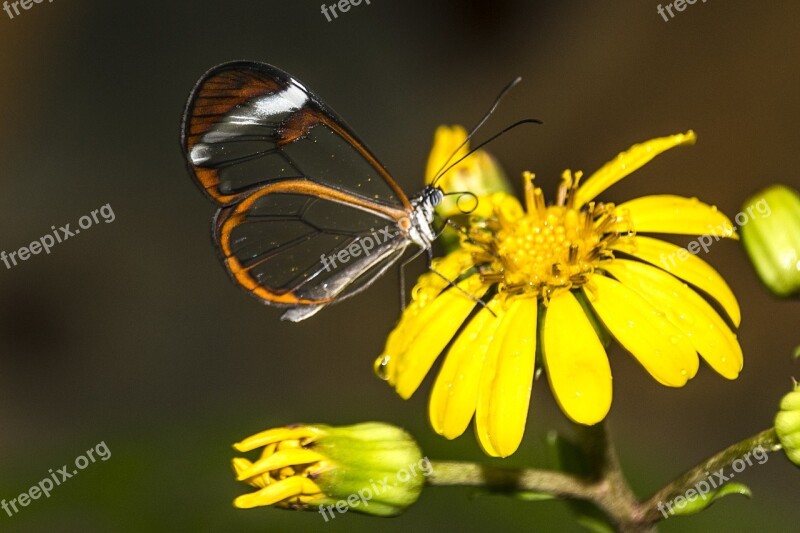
(307, 214)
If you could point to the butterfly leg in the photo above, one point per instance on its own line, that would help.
(403, 275)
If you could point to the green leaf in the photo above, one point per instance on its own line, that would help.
(697, 503)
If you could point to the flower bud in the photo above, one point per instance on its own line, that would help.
(787, 425)
(771, 237)
(372, 468)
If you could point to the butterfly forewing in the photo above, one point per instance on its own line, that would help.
(250, 124)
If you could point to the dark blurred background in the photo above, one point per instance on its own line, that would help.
(130, 333)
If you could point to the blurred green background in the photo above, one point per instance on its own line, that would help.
(131, 333)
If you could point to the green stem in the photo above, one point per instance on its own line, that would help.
(606, 486)
(511, 480)
(767, 439)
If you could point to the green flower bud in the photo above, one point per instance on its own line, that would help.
(371, 468)
(771, 237)
(787, 425)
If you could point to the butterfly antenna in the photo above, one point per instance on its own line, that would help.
(487, 141)
(480, 123)
(462, 194)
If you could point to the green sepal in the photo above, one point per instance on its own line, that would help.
(379, 463)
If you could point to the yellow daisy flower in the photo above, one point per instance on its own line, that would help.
(547, 279)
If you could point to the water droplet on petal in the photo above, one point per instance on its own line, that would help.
(380, 367)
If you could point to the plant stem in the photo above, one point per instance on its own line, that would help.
(605, 487)
(767, 439)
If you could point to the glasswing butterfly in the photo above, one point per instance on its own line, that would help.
(308, 215)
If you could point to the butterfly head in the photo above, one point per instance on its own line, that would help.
(420, 226)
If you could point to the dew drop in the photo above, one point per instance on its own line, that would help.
(380, 367)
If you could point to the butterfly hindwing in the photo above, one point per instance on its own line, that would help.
(296, 243)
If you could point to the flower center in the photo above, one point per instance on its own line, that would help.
(549, 248)
(548, 251)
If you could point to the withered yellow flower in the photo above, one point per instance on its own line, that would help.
(552, 280)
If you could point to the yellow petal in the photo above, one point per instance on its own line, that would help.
(280, 459)
(277, 492)
(666, 213)
(576, 363)
(438, 323)
(270, 436)
(627, 162)
(240, 464)
(479, 173)
(507, 380)
(429, 286)
(678, 262)
(455, 393)
(644, 331)
(445, 141)
(687, 310)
